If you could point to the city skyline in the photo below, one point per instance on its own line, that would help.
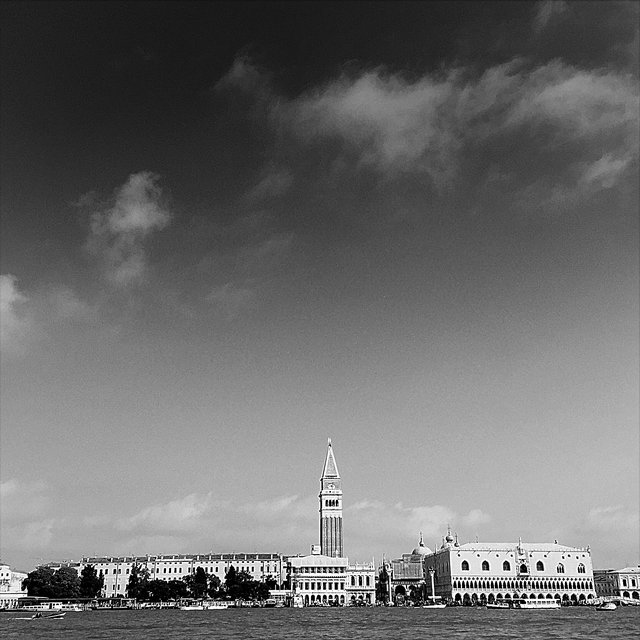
(233, 230)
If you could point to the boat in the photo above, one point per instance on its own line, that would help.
(524, 604)
(433, 603)
(607, 606)
(270, 603)
(48, 616)
(217, 604)
(191, 607)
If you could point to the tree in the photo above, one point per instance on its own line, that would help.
(214, 586)
(39, 582)
(158, 590)
(90, 582)
(137, 587)
(66, 583)
(271, 582)
(177, 589)
(200, 583)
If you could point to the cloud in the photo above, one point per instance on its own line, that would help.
(385, 524)
(65, 305)
(184, 514)
(233, 300)
(613, 519)
(15, 325)
(119, 231)
(275, 183)
(550, 123)
(548, 11)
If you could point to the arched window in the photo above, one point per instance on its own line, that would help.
(560, 568)
(485, 566)
(359, 581)
(506, 566)
(539, 565)
(581, 568)
(523, 568)
(465, 565)
(353, 581)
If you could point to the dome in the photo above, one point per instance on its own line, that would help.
(421, 550)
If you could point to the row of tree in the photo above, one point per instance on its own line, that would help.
(65, 583)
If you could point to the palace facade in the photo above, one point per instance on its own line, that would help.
(487, 571)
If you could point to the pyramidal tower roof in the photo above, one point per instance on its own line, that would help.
(330, 469)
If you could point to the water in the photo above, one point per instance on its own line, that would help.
(335, 624)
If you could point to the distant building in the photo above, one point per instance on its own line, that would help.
(116, 570)
(484, 572)
(407, 573)
(620, 583)
(318, 579)
(11, 587)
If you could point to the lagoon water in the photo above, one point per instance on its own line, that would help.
(335, 624)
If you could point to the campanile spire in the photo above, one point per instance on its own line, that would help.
(330, 507)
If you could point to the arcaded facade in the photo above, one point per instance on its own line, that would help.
(484, 572)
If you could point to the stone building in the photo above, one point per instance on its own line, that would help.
(406, 573)
(11, 587)
(618, 583)
(488, 571)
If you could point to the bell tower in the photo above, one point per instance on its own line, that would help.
(330, 507)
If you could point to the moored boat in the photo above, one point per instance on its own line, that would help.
(607, 606)
(524, 604)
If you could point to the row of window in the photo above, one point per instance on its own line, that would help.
(332, 503)
(321, 569)
(506, 566)
(179, 570)
(324, 586)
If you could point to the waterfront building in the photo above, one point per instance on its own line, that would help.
(361, 583)
(619, 583)
(480, 572)
(406, 574)
(116, 570)
(11, 587)
(318, 579)
(331, 507)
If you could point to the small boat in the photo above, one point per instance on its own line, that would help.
(48, 616)
(607, 606)
(217, 604)
(434, 604)
(191, 607)
(270, 603)
(524, 604)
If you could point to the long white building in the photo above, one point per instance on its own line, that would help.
(116, 570)
(487, 571)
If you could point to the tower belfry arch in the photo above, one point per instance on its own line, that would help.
(331, 507)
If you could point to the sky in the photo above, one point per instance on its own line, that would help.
(232, 231)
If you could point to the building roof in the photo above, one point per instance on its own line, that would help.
(330, 469)
(509, 546)
(317, 560)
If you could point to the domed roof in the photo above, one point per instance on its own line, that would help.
(421, 550)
